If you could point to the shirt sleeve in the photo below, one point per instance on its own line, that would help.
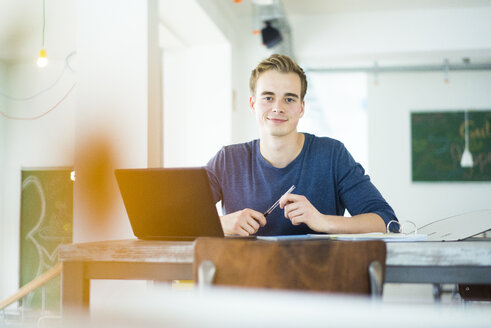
(356, 191)
(213, 170)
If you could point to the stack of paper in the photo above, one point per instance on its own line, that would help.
(389, 237)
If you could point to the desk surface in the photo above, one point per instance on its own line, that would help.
(461, 253)
(457, 253)
(129, 250)
(415, 262)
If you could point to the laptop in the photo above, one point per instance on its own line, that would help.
(169, 203)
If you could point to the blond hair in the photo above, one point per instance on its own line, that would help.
(282, 64)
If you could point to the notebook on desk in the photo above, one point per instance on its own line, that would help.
(169, 203)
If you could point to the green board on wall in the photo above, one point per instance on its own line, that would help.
(46, 222)
(438, 141)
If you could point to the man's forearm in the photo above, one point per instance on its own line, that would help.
(362, 223)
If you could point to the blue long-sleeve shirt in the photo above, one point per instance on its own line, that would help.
(324, 172)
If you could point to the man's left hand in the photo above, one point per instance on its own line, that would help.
(298, 209)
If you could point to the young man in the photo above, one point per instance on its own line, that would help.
(252, 176)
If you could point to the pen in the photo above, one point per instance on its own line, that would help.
(278, 202)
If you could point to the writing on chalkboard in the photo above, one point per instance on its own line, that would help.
(46, 222)
(438, 141)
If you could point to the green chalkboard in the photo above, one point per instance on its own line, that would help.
(46, 222)
(438, 141)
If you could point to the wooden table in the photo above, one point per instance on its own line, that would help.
(466, 262)
(414, 262)
(130, 259)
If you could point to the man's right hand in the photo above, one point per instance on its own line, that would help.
(243, 223)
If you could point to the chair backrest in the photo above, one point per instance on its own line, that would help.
(315, 265)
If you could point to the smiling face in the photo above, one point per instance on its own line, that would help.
(277, 104)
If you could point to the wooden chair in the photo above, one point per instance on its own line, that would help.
(475, 292)
(355, 267)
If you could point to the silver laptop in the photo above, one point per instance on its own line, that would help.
(169, 203)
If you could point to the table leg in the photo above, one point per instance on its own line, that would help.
(75, 289)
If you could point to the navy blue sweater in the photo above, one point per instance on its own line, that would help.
(324, 172)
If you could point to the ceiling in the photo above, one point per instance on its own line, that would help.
(323, 7)
(21, 20)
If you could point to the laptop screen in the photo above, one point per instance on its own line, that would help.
(169, 203)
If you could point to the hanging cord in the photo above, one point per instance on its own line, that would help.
(44, 22)
(40, 115)
(65, 67)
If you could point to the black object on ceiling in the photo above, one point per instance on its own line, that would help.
(271, 36)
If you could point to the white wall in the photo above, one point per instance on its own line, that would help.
(100, 126)
(112, 110)
(3, 244)
(44, 142)
(197, 91)
(197, 103)
(246, 52)
(389, 105)
(117, 94)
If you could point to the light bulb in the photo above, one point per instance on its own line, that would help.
(43, 59)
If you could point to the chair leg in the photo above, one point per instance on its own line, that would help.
(206, 273)
(376, 279)
(437, 293)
